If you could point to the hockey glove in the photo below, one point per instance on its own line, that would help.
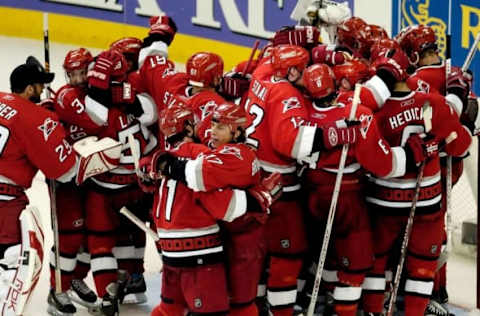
(99, 75)
(326, 54)
(265, 193)
(470, 116)
(304, 36)
(459, 83)
(234, 85)
(339, 133)
(122, 93)
(394, 62)
(419, 148)
(146, 183)
(161, 29)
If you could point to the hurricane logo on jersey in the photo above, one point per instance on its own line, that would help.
(365, 121)
(290, 103)
(47, 127)
(229, 150)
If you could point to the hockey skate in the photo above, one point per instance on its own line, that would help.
(109, 304)
(134, 291)
(324, 306)
(60, 304)
(434, 308)
(81, 294)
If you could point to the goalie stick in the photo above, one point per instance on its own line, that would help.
(51, 182)
(333, 207)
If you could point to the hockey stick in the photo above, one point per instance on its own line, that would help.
(333, 207)
(252, 54)
(427, 116)
(466, 64)
(448, 69)
(471, 53)
(140, 224)
(51, 182)
(406, 237)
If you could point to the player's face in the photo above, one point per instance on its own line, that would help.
(78, 77)
(221, 134)
(294, 76)
(36, 92)
(429, 57)
(345, 85)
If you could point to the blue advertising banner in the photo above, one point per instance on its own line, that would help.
(238, 22)
(465, 25)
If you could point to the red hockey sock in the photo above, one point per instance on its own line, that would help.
(415, 305)
(163, 309)
(249, 310)
(282, 285)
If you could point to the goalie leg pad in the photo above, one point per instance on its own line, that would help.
(21, 265)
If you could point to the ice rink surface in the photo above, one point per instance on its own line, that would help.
(14, 51)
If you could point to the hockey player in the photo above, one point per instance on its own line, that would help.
(231, 163)
(130, 249)
(370, 153)
(204, 255)
(69, 105)
(419, 41)
(111, 105)
(390, 199)
(276, 114)
(32, 140)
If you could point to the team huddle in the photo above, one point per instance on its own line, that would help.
(236, 173)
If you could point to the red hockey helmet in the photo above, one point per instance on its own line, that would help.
(230, 114)
(355, 71)
(286, 56)
(128, 45)
(382, 45)
(367, 36)
(203, 68)
(416, 39)
(348, 32)
(77, 59)
(319, 80)
(174, 118)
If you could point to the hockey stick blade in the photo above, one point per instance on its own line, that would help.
(134, 219)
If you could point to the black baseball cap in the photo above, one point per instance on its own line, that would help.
(27, 74)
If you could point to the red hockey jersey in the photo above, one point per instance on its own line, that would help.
(276, 120)
(430, 79)
(187, 220)
(400, 117)
(230, 165)
(70, 107)
(371, 151)
(31, 138)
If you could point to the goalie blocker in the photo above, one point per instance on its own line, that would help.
(21, 265)
(96, 156)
